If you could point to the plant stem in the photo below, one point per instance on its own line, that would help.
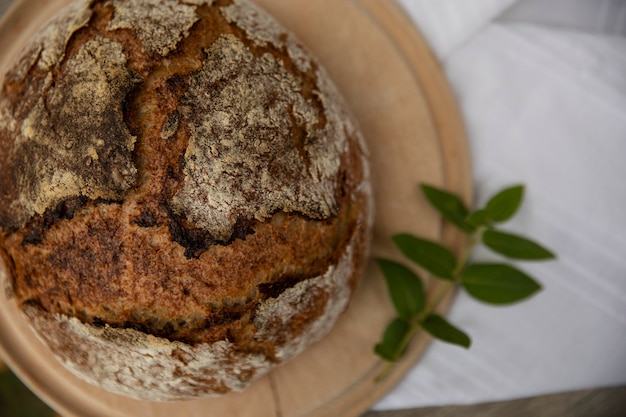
(434, 301)
(415, 324)
(463, 258)
(456, 276)
(439, 295)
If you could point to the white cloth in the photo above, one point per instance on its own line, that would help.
(541, 85)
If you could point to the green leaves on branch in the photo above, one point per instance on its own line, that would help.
(514, 246)
(449, 206)
(405, 288)
(431, 256)
(498, 283)
(503, 205)
(393, 344)
(493, 283)
(439, 328)
(479, 218)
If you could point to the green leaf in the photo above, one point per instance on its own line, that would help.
(503, 205)
(479, 218)
(405, 288)
(498, 283)
(514, 246)
(390, 348)
(441, 329)
(449, 205)
(433, 257)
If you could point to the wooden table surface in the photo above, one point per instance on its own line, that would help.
(605, 402)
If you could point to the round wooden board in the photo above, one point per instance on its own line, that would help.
(401, 99)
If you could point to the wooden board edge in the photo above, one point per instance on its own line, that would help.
(457, 174)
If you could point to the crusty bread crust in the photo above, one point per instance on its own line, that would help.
(181, 184)
(139, 365)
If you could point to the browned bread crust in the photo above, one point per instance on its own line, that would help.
(184, 199)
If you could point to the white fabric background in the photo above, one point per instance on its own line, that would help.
(542, 87)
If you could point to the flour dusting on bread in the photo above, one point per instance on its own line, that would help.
(160, 25)
(74, 141)
(232, 133)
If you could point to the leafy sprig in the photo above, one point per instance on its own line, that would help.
(493, 283)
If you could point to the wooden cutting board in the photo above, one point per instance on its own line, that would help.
(403, 103)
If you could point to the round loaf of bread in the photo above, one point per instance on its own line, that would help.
(184, 198)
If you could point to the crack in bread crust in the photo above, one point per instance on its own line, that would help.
(225, 206)
(130, 362)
